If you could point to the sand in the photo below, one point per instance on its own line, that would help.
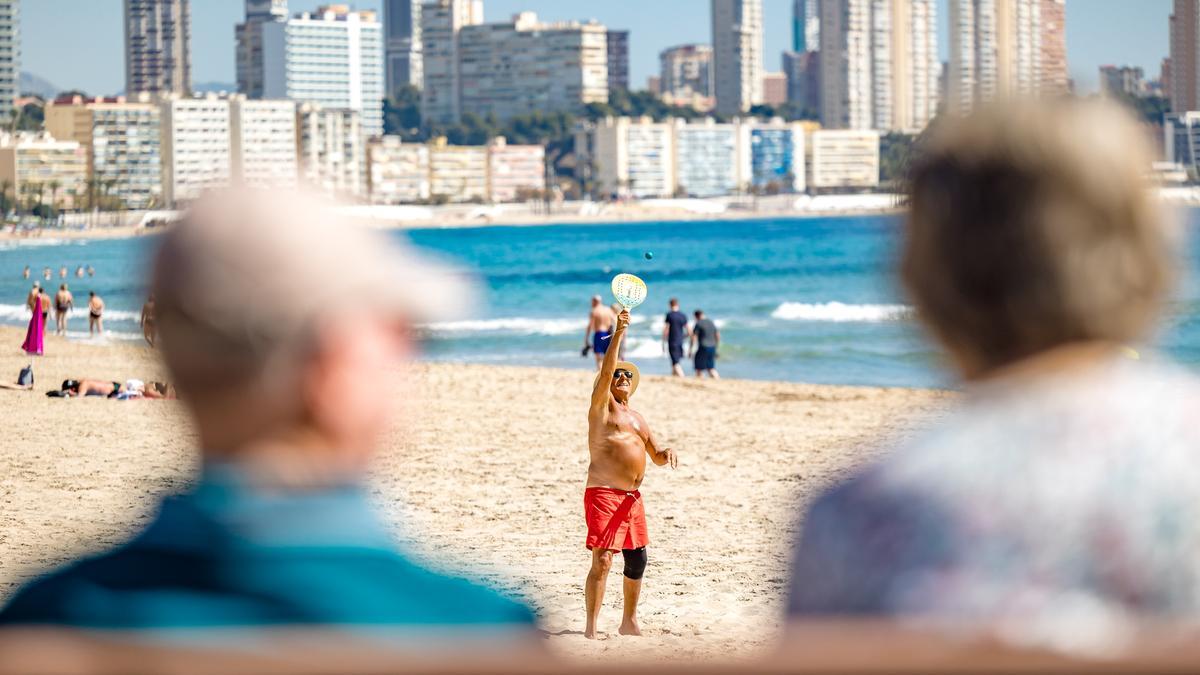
(487, 479)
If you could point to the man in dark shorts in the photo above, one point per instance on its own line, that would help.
(705, 340)
(675, 331)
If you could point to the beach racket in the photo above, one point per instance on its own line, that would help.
(629, 290)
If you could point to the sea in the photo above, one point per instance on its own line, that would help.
(796, 299)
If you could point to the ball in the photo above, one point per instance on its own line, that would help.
(649, 255)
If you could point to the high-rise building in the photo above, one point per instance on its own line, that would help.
(618, 59)
(263, 152)
(878, 64)
(333, 151)
(248, 36)
(441, 24)
(686, 72)
(737, 31)
(1184, 68)
(158, 46)
(1122, 81)
(402, 44)
(525, 66)
(803, 72)
(1006, 47)
(806, 25)
(55, 170)
(10, 55)
(196, 147)
(121, 141)
(332, 57)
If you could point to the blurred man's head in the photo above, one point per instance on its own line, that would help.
(259, 304)
(1031, 228)
(699, 314)
(596, 300)
(674, 304)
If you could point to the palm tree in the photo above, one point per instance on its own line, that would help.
(54, 185)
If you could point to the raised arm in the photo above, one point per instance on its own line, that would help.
(600, 393)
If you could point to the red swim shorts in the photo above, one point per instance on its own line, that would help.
(616, 519)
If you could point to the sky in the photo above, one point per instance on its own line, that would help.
(78, 44)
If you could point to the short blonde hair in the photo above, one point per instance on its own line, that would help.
(1030, 226)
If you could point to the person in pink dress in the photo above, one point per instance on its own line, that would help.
(36, 334)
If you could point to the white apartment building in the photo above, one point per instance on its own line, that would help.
(458, 173)
(398, 172)
(737, 32)
(777, 155)
(686, 72)
(515, 172)
(625, 156)
(879, 64)
(38, 166)
(333, 58)
(441, 24)
(333, 151)
(711, 159)
(264, 150)
(516, 68)
(196, 147)
(122, 140)
(845, 158)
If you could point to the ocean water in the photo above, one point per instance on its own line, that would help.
(810, 300)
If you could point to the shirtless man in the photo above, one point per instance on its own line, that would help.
(95, 314)
(619, 441)
(599, 330)
(63, 302)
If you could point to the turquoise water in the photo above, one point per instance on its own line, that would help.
(810, 300)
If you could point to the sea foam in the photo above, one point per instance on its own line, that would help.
(840, 312)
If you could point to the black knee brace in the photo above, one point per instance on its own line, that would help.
(635, 562)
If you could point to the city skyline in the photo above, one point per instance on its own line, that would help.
(1103, 32)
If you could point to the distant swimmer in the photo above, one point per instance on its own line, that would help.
(63, 302)
(79, 272)
(705, 340)
(675, 331)
(598, 331)
(25, 274)
(46, 273)
(95, 314)
(91, 271)
(62, 272)
(619, 439)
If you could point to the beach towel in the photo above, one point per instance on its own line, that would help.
(35, 336)
(616, 519)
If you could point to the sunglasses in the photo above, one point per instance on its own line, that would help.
(622, 373)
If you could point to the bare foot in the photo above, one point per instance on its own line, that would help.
(589, 633)
(631, 628)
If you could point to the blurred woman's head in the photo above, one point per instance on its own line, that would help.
(1031, 227)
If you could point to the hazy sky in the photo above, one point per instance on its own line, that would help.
(77, 44)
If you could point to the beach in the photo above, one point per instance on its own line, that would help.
(486, 479)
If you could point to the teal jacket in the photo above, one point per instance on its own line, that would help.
(226, 555)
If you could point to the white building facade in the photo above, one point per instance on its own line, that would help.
(196, 147)
(458, 173)
(844, 159)
(515, 172)
(264, 148)
(441, 24)
(398, 172)
(332, 58)
(711, 160)
(333, 153)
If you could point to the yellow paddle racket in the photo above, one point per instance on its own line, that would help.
(629, 290)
